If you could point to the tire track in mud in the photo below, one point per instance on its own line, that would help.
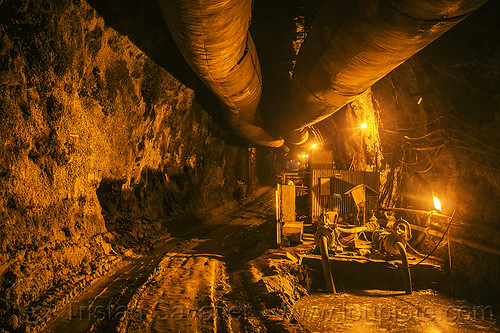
(181, 300)
(190, 289)
(104, 302)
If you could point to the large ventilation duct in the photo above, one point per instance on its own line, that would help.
(352, 45)
(213, 37)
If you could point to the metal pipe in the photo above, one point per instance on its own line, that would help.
(417, 211)
(457, 239)
(213, 37)
(491, 230)
(327, 269)
(352, 45)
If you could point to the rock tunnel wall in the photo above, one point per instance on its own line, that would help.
(101, 147)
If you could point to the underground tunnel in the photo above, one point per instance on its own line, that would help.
(249, 166)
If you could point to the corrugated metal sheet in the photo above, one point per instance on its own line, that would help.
(341, 181)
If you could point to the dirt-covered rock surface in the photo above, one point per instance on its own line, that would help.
(276, 280)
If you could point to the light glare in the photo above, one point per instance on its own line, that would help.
(364, 125)
(437, 203)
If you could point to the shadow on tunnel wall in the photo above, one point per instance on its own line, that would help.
(143, 24)
(147, 212)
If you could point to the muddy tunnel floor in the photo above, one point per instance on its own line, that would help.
(382, 311)
(225, 275)
(193, 282)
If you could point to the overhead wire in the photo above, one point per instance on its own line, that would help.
(468, 137)
(469, 126)
(438, 141)
(449, 133)
(441, 130)
(429, 166)
(480, 148)
(464, 145)
(416, 127)
(423, 160)
(449, 137)
(446, 115)
(475, 162)
(434, 145)
(432, 165)
(426, 148)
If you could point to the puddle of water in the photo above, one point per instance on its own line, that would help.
(394, 311)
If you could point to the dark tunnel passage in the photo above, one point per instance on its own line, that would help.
(249, 166)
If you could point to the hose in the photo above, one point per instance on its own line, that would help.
(405, 266)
